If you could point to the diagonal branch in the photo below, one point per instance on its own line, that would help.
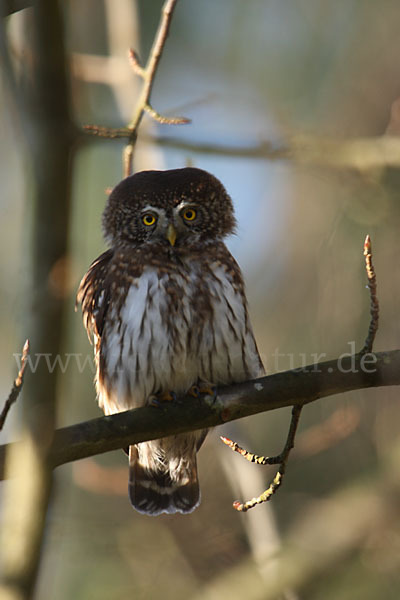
(291, 388)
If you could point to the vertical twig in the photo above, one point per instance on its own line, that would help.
(17, 385)
(374, 303)
(148, 75)
(143, 104)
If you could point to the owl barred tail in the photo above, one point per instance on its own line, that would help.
(153, 492)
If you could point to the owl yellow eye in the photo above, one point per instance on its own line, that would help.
(149, 219)
(189, 214)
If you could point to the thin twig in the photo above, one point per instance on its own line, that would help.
(17, 385)
(374, 311)
(163, 119)
(107, 132)
(281, 459)
(135, 63)
(143, 104)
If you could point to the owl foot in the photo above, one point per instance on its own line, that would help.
(160, 399)
(194, 391)
(202, 389)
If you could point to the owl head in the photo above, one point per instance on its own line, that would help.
(176, 208)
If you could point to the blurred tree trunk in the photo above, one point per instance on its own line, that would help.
(43, 101)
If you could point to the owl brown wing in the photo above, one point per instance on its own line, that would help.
(94, 294)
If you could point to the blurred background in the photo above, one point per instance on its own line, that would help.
(244, 73)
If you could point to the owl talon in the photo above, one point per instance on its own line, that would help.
(161, 398)
(194, 391)
(207, 389)
(202, 389)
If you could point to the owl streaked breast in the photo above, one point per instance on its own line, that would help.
(167, 309)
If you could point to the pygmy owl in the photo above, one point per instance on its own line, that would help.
(167, 311)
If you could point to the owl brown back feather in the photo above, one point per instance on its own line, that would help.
(94, 294)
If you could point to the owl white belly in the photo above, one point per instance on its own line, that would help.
(172, 331)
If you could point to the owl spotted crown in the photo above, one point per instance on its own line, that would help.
(166, 308)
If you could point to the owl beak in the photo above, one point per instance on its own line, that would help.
(171, 234)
